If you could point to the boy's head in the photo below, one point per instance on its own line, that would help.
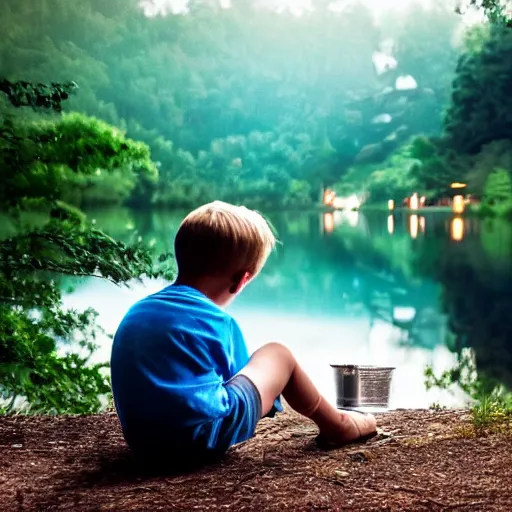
(223, 242)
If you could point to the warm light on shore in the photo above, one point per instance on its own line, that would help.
(458, 204)
(329, 196)
(457, 185)
(413, 202)
(391, 205)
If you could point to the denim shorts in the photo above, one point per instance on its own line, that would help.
(240, 423)
(210, 440)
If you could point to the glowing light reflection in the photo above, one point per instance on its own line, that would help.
(391, 224)
(328, 222)
(422, 224)
(457, 229)
(413, 226)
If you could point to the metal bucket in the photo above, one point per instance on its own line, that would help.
(362, 386)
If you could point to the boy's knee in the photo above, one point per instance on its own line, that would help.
(278, 350)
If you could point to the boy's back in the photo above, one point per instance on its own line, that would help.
(171, 355)
(182, 380)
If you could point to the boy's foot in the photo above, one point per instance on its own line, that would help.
(354, 426)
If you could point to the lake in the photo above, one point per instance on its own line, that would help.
(408, 291)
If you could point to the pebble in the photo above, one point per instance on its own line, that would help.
(360, 456)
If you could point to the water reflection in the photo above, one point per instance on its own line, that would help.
(328, 222)
(348, 217)
(423, 224)
(457, 229)
(351, 293)
(413, 226)
(391, 224)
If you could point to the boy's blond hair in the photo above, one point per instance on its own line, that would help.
(221, 239)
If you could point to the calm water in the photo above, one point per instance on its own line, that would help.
(347, 288)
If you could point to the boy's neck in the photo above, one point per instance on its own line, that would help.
(215, 288)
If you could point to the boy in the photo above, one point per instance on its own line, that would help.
(182, 380)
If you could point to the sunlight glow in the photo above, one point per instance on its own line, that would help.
(300, 7)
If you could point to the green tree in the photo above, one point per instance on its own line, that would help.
(36, 159)
(498, 188)
(480, 108)
(497, 11)
(497, 197)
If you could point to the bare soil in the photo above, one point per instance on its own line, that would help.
(421, 460)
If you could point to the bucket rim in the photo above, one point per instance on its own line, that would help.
(363, 367)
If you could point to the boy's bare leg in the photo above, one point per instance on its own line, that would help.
(274, 371)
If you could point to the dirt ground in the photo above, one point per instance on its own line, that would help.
(421, 460)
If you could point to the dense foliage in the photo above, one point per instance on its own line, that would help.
(244, 103)
(476, 144)
(475, 140)
(44, 238)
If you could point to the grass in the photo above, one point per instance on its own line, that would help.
(488, 416)
(491, 411)
(492, 414)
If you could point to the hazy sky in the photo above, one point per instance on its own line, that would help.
(153, 7)
(295, 5)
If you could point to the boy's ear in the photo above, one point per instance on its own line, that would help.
(239, 282)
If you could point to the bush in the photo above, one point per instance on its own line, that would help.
(37, 160)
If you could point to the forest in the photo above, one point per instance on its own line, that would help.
(266, 109)
(111, 103)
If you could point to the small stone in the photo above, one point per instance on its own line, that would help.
(16, 446)
(343, 474)
(360, 456)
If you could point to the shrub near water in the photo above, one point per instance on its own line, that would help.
(491, 409)
(38, 159)
(497, 194)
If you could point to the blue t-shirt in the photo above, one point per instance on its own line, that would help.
(171, 356)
